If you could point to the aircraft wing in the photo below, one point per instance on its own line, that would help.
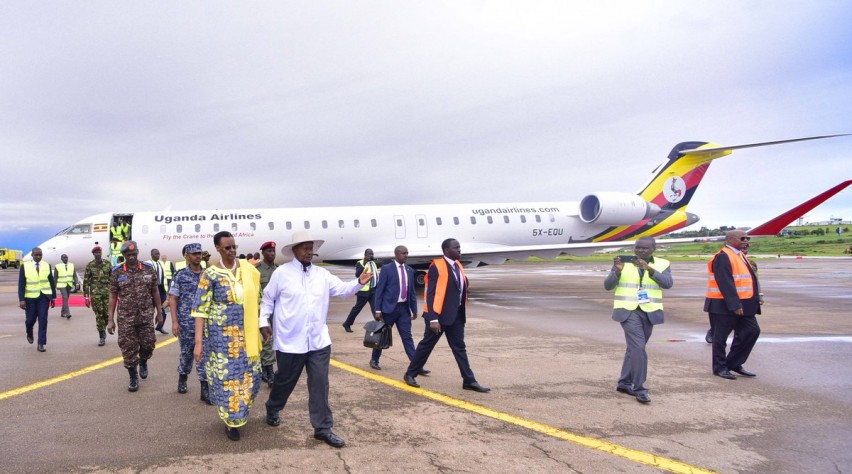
(776, 225)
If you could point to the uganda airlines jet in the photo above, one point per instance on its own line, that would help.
(490, 233)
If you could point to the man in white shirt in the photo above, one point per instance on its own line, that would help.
(297, 297)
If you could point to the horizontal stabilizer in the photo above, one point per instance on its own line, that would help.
(700, 151)
(776, 225)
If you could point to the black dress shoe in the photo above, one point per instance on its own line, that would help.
(725, 374)
(744, 372)
(330, 439)
(411, 381)
(163, 331)
(41, 348)
(476, 387)
(708, 338)
(30, 338)
(69, 316)
(424, 372)
(627, 390)
(272, 418)
(643, 398)
(348, 327)
(374, 364)
(233, 433)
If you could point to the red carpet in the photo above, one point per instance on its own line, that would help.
(73, 300)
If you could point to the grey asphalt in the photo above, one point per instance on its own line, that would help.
(539, 334)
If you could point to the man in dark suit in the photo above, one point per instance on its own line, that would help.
(446, 299)
(733, 300)
(396, 302)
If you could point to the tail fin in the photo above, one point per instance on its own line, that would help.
(776, 225)
(674, 183)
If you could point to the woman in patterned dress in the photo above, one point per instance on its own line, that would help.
(226, 309)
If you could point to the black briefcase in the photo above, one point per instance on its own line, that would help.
(378, 335)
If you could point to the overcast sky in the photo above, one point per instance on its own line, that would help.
(135, 106)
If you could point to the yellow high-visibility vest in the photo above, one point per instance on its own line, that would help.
(37, 281)
(64, 275)
(371, 267)
(628, 285)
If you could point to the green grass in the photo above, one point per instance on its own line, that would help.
(826, 245)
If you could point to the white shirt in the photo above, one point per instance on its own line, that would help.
(298, 302)
(452, 264)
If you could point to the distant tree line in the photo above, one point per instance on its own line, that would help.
(788, 232)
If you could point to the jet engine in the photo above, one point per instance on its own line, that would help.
(616, 209)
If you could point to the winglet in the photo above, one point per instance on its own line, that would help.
(776, 225)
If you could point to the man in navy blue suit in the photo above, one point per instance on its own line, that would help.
(396, 302)
(446, 299)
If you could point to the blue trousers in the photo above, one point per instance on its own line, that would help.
(37, 311)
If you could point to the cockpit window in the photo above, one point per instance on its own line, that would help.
(77, 229)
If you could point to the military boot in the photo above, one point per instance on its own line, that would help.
(143, 368)
(205, 393)
(271, 375)
(103, 338)
(182, 383)
(134, 381)
(264, 374)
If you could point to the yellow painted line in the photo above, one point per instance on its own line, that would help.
(642, 457)
(71, 375)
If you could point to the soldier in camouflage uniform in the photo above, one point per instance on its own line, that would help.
(96, 290)
(134, 286)
(266, 267)
(181, 296)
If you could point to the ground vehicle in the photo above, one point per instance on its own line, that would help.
(10, 258)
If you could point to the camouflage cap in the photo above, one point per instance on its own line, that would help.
(192, 248)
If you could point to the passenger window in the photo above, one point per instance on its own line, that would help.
(198, 227)
(537, 218)
(325, 224)
(216, 227)
(271, 225)
(421, 222)
(438, 220)
(523, 219)
(289, 225)
(473, 219)
(253, 226)
(399, 222)
(233, 226)
(307, 225)
(179, 228)
(552, 218)
(357, 223)
(340, 223)
(456, 220)
(506, 219)
(373, 222)
(489, 219)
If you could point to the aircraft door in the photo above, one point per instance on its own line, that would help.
(422, 230)
(399, 226)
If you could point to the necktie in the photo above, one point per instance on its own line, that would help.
(403, 287)
(36, 267)
(458, 278)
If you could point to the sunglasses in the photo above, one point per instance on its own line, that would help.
(745, 239)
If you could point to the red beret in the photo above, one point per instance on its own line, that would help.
(267, 245)
(96, 249)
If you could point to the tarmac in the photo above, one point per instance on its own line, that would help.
(539, 334)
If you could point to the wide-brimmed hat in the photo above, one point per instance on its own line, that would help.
(300, 237)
